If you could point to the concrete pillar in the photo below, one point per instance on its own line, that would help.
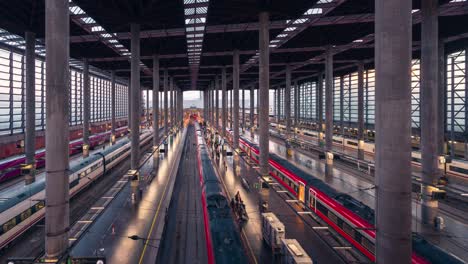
(287, 101)
(30, 126)
(171, 100)
(235, 87)
(155, 100)
(135, 95)
(217, 102)
(320, 108)
(129, 112)
(86, 108)
(360, 124)
(429, 107)
(442, 96)
(278, 105)
(223, 101)
(147, 106)
(264, 86)
(243, 110)
(113, 125)
(329, 105)
(252, 106)
(166, 110)
(296, 104)
(57, 222)
(393, 28)
(342, 106)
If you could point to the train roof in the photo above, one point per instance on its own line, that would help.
(39, 185)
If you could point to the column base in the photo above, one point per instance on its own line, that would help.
(85, 150)
(429, 205)
(112, 139)
(29, 172)
(329, 158)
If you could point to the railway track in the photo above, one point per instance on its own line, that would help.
(184, 239)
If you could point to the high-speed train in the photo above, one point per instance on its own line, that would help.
(456, 167)
(22, 208)
(352, 219)
(223, 241)
(10, 167)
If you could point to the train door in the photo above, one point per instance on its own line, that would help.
(301, 193)
(313, 199)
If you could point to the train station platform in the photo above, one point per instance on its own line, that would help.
(129, 231)
(360, 185)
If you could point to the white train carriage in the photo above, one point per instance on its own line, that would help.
(17, 219)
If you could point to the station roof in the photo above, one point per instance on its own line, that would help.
(196, 38)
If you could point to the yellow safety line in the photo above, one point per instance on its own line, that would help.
(154, 221)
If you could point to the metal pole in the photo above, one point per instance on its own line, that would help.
(393, 129)
(252, 102)
(57, 222)
(86, 108)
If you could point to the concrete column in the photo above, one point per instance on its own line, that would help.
(278, 105)
(235, 87)
(243, 110)
(264, 86)
(129, 112)
(320, 107)
(223, 101)
(342, 106)
(86, 108)
(57, 222)
(217, 102)
(360, 111)
(329, 105)
(252, 106)
(442, 96)
(155, 100)
(171, 100)
(166, 110)
(296, 104)
(147, 106)
(113, 125)
(287, 101)
(429, 107)
(393, 27)
(30, 128)
(135, 95)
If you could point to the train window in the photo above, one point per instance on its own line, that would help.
(311, 201)
(458, 169)
(9, 225)
(24, 215)
(348, 229)
(368, 245)
(39, 206)
(332, 217)
(322, 208)
(416, 159)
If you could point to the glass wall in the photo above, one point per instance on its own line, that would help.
(12, 95)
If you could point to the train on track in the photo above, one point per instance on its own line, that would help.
(11, 167)
(223, 241)
(350, 218)
(21, 208)
(457, 167)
